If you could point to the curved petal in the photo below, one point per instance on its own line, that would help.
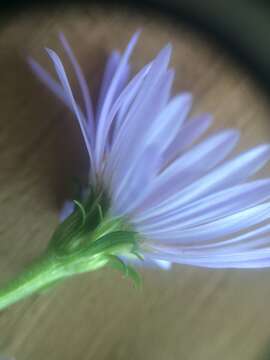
(102, 124)
(187, 168)
(228, 174)
(134, 144)
(66, 86)
(186, 136)
(231, 224)
(212, 207)
(138, 176)
(82, 83)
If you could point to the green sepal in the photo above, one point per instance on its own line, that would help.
(117, 242)
(116, 263)
(83, 223)
(89, 239)
(138, 255)
(135, 276)
(127, 270)
(82, 209)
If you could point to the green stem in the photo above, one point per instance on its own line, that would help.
(36, 277)
(45, 272)
(77, 246)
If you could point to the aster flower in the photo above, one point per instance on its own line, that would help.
(157, 193)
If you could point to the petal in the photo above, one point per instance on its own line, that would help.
(82, 82)
(66, 86)
(148, 262)
(187, 135)
(228, 174)
(103, 126)
(169, 121)
(46, 78)
(187, 168)
(151, 98)
(116, 116)
(231, 224)
(254, 238)
(67, 209)
(258, 259)
(138, 175)
(212, 207)
(137, 129)
(110, 70)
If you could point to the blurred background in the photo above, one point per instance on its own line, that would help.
(221, 56)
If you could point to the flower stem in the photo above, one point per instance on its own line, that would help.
(39, 275)
(77, 246)
(46, 271)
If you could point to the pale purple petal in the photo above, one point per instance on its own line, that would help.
(152, 96)
(66, 86)
(109, 72)
(102, 124)
(187, 168)
(187, 135)
(149, 262)
(67, 209)
(116, 116)
(137, 177)
(46, 78)
(169, 120)
(259, 260)
(227, 225)
(251, 238)
(212, 207)
(187, 206)
(82, 83)
(135, 145)
(228, 174)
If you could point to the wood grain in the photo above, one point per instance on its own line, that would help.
(185, 314)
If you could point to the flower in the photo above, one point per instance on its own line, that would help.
(187, 201)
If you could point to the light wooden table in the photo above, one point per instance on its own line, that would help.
(188, 313)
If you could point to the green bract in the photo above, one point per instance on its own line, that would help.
(86, 241)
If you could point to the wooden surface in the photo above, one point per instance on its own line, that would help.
(184, 314)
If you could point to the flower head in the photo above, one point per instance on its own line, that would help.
(186, 200)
